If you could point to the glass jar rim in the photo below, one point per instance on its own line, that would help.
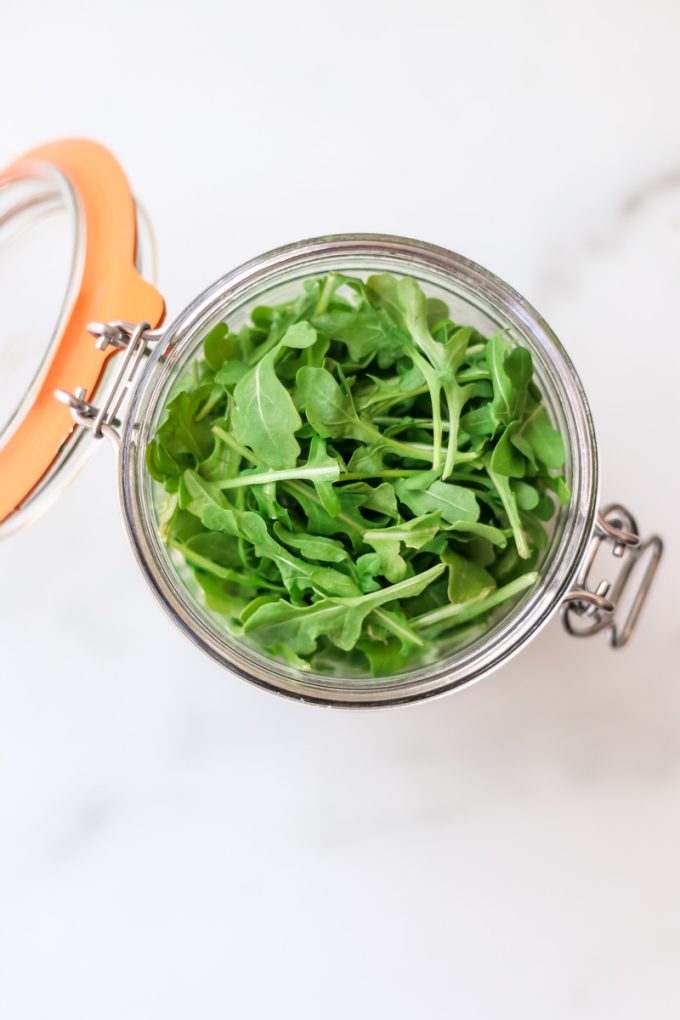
(317, 255)
(50, 193)
(110, 245)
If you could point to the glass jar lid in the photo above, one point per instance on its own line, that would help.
(70, 248)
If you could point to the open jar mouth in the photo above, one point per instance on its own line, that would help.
(476, 298)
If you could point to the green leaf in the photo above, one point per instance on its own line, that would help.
(379, 498)
(485, 531)
(545, 507)
(319, 469)
(559, 487)
(506, 458)
(348, 521)
(340, 620)
(265, 498)
(261, 600)
(161, 465)
(518, 369)
(414, 533)
(456, 398)
(405, 302)
(545, 440)
(366, 332)
(381, 393)
(439, 620)
(482, 421)
(507, 496)
(367, 460)
(224, 460)
(181, 433)
(392, 565)
(467, 580)
(296, 574)
(215, 546)
(396, 622)
(521, 443)
(205, 501)
(218, 346)
(264, 416)
(368, 568)
(221, 596)
(387, 542)
(300, 335)
(323, 483)
(436, 311)
(329, 411)
(313, 547)
(503, 390)
(386, 658)
(526, 495)
(230, 373)
(453, 502)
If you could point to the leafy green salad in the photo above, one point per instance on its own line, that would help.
(354, 480)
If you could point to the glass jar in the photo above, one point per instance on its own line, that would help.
(149, 362)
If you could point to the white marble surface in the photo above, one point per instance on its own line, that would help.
(174, 843)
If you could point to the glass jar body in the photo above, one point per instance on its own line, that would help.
(476, 298)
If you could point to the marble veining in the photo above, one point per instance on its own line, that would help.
(174, 843)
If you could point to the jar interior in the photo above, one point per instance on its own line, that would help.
(474, 298)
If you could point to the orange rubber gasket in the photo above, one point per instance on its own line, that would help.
(110, 288)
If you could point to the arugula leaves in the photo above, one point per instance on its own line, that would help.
(263, 413)
(354, 481)
(340, 620)
(424, 494)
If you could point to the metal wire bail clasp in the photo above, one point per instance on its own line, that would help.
(136, 340)
(587, 610)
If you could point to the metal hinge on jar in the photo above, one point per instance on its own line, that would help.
(137, 341)
(587, 610)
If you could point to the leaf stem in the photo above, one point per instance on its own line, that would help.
(326, 294)
(399, 629)
(309, 492)
(456, 396)
(326, 472)
(472, 608)
(217, 570)
(395, 591)
(436, 430)
(413, 450)
(416, 451)
(502, 485)
(397, 398)
(407, 423)
(472, 374)
(234, 444)
(212, 401)
(357, 476)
